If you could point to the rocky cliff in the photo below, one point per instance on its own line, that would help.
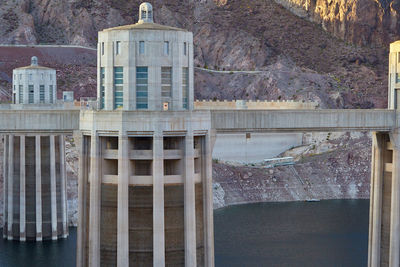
(361, 22)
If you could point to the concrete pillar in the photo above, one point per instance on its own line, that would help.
(123, 202)
(63, 189)
(158, 202)
(190, 203)
(5, 186)
(38, 189)
(53, 188)
(22, 195)
(10, 212)
(376, 200)
(208, 199)
(95, 202)
(81, 231)
(394, 251)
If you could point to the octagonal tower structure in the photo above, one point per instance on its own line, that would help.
(35, 202)
(145, 187)
(34, 84)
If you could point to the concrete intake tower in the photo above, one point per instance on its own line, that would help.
(35, 205)
(145, 187)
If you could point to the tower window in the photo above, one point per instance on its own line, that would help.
(30, 77)
(41, 76)
(30, 99)
(21, 94)
(51, 93)
(118, 48)
(184, 48)
(185, 87)
(144, 15)
(166, 48)
(102, 48)
(118, 86)
(20, 76)
(166, 81)
(141, 47)
(141, 88)
(41, 91)
(102, 76)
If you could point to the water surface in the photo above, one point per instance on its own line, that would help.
(326, 233)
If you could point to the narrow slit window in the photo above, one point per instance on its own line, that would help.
(184, 48)
(118, 48)
(141, 47)
(102, 48)
(166, 48)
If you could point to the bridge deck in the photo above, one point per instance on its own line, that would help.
(226, 120)
(304, 120)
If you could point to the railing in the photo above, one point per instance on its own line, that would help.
(89, 103)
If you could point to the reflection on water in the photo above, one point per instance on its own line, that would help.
(41, 254)
(326, 233)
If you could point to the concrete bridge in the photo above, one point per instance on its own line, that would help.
(225, 121)
(384, 233)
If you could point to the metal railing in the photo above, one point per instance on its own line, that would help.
(89, 103)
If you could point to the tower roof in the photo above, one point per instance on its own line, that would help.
(34, 65)
(145, 21)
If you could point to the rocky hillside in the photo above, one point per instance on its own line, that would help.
(298, 59)
(362, 22)
(328, 166)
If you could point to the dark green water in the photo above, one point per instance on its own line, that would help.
(326, 233)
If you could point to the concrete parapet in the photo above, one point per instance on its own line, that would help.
(253, 105)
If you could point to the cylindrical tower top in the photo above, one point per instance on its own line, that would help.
(34, 61)
(145, 66)
(145, 13)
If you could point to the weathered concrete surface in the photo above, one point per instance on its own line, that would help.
(39, 120)
(235, 147)
(303, 120)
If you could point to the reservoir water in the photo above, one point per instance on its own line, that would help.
(326, 233)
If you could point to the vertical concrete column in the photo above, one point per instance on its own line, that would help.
(158, 201)
(63, 187)
(189, 202)
(208, 201)
(376, 200)
(53, 188)
(5, 186)
(22, 195)
(10, 212)
(38, 189)
(123, 202)
(394, 250)
(95, 202)
(81, 231)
